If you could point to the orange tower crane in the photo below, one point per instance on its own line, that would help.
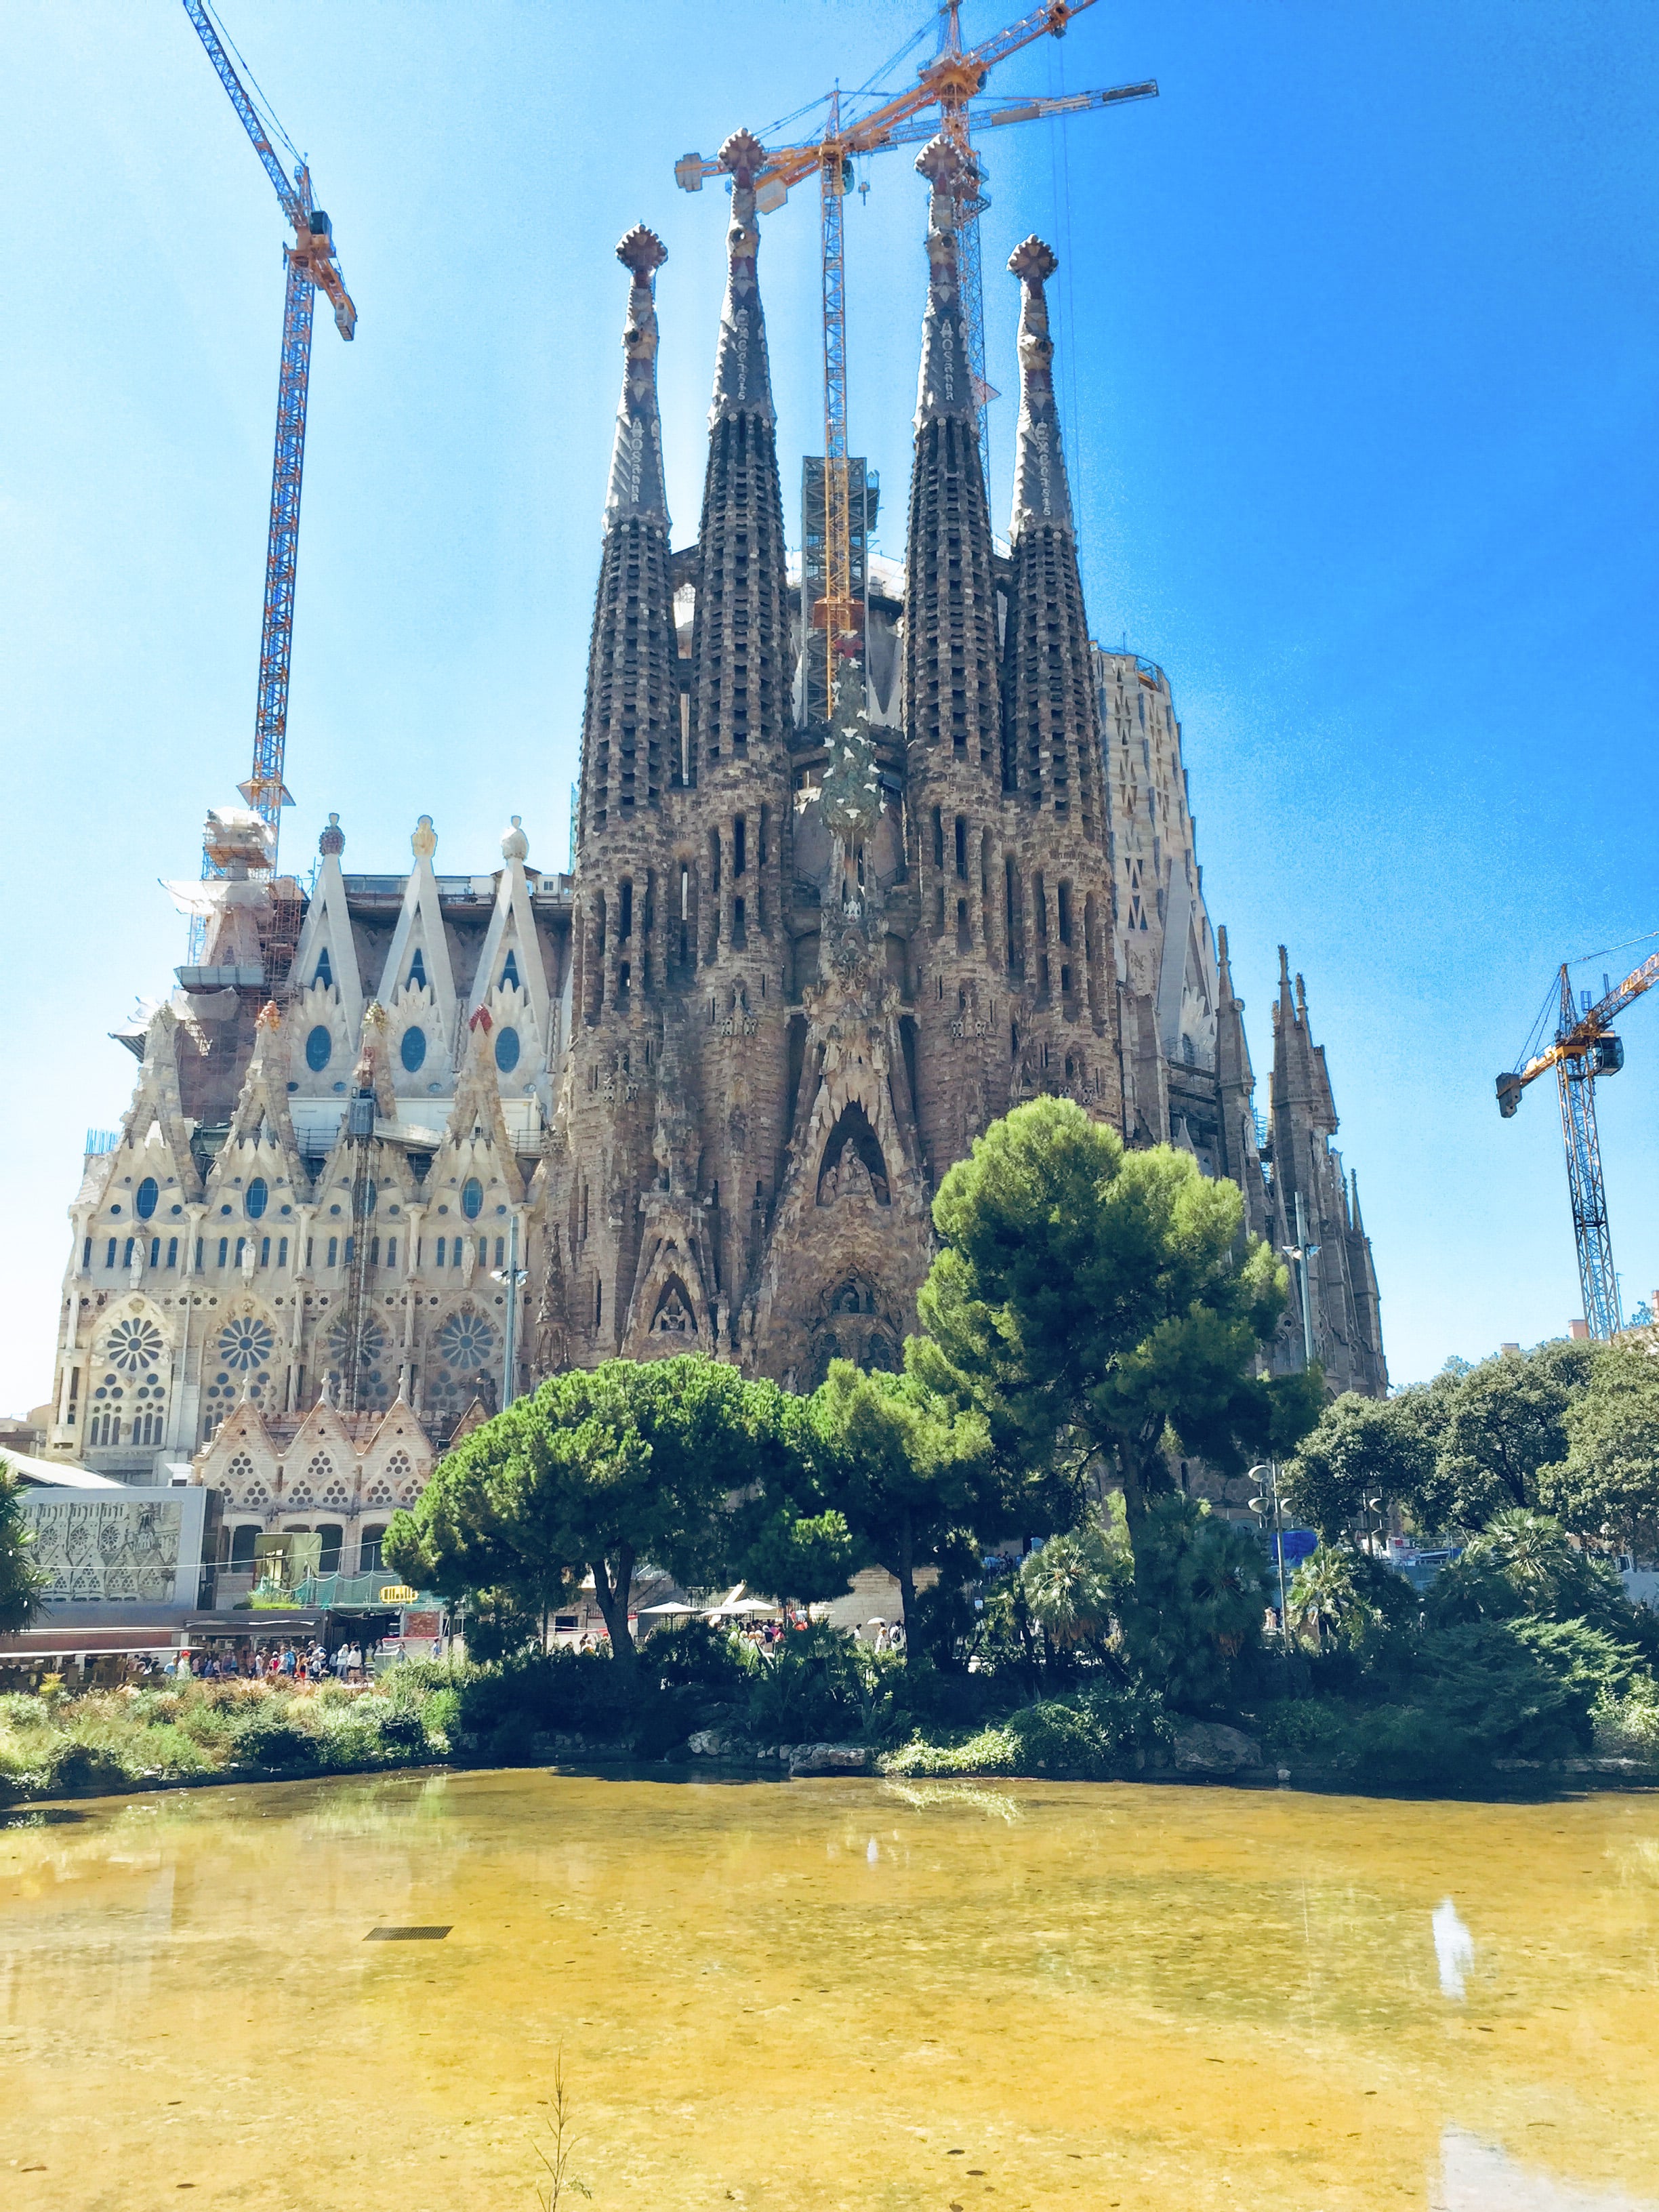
(944, 97)
(311, 266)
(1583, 1048)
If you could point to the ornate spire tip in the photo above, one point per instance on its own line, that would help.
(1033, 258)
(642, 252)
(743, 156)
(940, 161)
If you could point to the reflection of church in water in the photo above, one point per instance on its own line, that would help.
(709, 1084)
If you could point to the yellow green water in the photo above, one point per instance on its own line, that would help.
(829, 1994)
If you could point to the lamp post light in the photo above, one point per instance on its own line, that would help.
(514, 1277)
(1298, 1254)
(1268, 1502)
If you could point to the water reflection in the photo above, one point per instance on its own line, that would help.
(1476, 2177)
(1454, 1949)
(1098, 1996)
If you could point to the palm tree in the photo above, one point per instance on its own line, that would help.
(22, 1584)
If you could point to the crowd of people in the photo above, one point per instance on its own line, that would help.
(289, 1661)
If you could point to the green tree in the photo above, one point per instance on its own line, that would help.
(1494, 1428)
(1524, 1566)
(1362, 1448)
(1095, 1304)
(1344, 1596)
(1074, 1586)
(1607, 1485)
(907, 1470)
(22, 1583)
(601, 1469)
(1193, 1611)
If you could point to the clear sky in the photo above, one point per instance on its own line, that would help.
(1359, 324)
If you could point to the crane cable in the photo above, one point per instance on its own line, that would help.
(1549, 1011)
(267, 112)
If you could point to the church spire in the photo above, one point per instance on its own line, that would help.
(630, 727)
(1041, 492)
(952, 708)
(740, 702)
(636, 478)
(1051, 755)
(743, 380)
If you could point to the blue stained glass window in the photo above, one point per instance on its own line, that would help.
(510, 971)
(257, 1198)
(325, 975)
(144, 1198)
(413, 1049)
(418, 974)
(320, 1048)
(507, 1050)
(472, 1198)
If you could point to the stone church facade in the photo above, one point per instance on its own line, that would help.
(401, 1144)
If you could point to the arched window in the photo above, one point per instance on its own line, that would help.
(144, 1198)
(510, 971)
(412, 1051)
(472, 1198)
(325, 975)
(257, 1198)
(320, 1047)
(368, 1552)
(241, 1548)
(507, 1050)
(417, 971)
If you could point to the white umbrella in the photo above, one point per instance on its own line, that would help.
(671, 1607)
(746, 1605)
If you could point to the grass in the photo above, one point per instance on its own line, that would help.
(54, 1744)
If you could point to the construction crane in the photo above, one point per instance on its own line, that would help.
(944, 98)
(312, 266)
(1583, 1048)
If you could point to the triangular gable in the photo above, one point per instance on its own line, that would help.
(401, 1430)
(261, 1109)
(322, 1430)
(326, 943)
(512, 935)
(419, 938)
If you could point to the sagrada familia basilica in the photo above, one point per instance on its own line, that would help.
(401, 1144)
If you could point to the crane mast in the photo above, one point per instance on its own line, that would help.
(943, 98)
(1584, 1048)
(310, 266)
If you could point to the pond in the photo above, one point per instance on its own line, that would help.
(828, 1994)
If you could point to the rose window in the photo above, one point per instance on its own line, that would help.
(467, 1347)
(247, 1342)
(131, 1345)
(376, 1372)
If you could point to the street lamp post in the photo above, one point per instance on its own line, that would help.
(1267, 1476)
(512, 1275)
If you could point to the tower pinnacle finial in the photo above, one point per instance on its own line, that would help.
(1040, 492)
(743, 380)
(636, 490)
(944, 386)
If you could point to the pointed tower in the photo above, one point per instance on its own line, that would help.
(631, 723)
(1057, 884)
(961, 975)
(1311, 1200)
(1240, 1151)
(741, 677)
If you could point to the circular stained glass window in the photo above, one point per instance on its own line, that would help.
(257, 1196)
(247, 1342)
(144, 1198)
(320, 1048)
(467, 1341)
(472, 1198)
(507, 1050)
(133, 1344)
(413, 1049)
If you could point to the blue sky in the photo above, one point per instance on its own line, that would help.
(1359, 324)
